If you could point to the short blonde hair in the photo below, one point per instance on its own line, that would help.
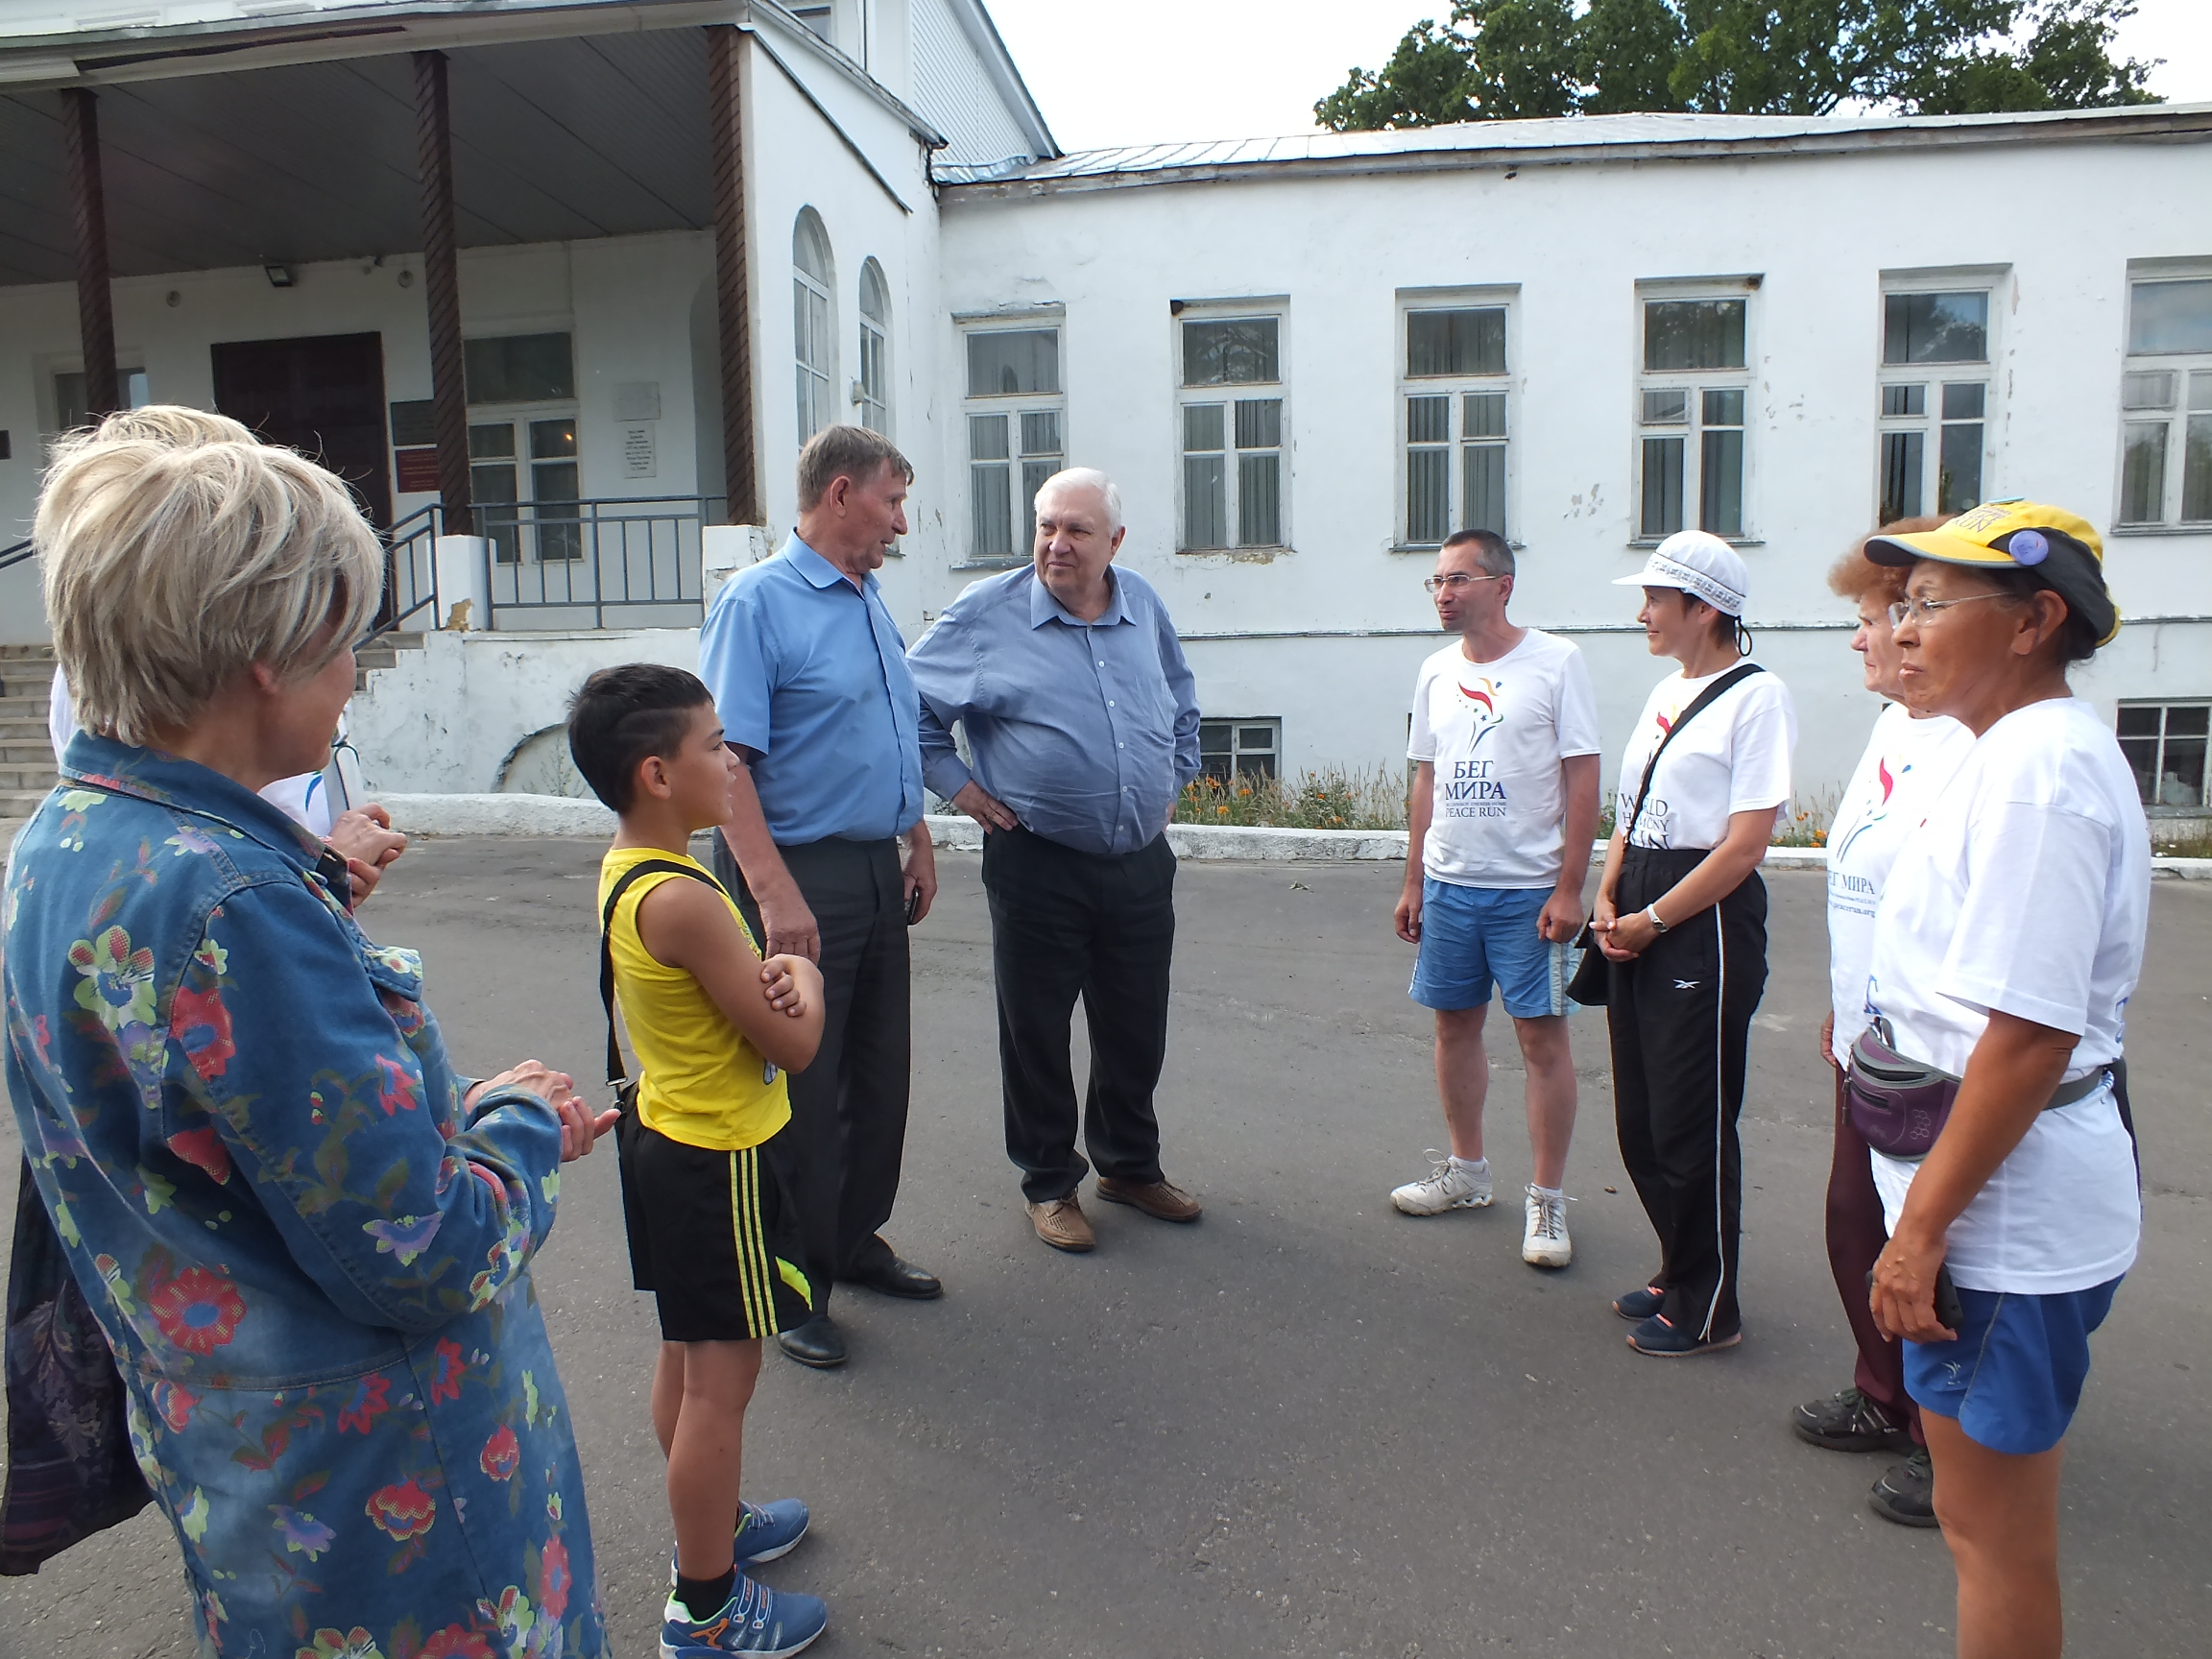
(172, 565)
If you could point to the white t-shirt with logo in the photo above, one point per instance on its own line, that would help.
(1905, 768)
(2026, 891)
(1496, 734)
(1733, 758)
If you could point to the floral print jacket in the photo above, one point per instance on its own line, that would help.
(312, 1263)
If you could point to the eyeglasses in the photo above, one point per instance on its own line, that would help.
(1456, 581)
(1921, 610)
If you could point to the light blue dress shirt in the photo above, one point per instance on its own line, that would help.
(809, 672)
(1087, 730)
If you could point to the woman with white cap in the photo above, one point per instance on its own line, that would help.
(2007, 944)
(1681, 917)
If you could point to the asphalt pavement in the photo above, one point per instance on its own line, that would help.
(1306, 1425)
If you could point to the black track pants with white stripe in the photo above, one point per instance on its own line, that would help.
(1680, 1019)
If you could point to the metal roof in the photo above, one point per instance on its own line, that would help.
(1580, 137)
(311, 161)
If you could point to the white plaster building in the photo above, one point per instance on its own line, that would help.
(1302, 358)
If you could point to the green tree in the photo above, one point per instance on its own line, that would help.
(1499, 59)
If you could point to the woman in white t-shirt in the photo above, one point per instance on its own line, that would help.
(1681, 917)
(2006, 943)
(1906, 763)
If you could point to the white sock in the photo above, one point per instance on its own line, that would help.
(1473, 1165)
(1546, 1191)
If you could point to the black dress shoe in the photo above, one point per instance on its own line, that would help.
(892, 1275)
(817, 1343)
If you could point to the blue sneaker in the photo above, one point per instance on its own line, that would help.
(757, 1620)
(765, 1532)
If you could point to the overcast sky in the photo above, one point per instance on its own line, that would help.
(1154, 71)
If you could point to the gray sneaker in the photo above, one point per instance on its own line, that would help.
(1446, 1186)
(1543, 1240)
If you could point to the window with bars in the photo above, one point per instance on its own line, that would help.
(813, 317)
(1015, 411)
(1454, 396)
(1232, 749)
(1692, 396)
(2165, 744)
(2166, 404)
(1936, 389)
(1231, 413)
(872, 391)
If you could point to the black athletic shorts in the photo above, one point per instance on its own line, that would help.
(714, 1235)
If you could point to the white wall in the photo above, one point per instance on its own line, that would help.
(1572, 242)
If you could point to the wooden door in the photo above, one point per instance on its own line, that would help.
(322, 397)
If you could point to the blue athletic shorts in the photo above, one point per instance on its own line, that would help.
(2014, 1376)
(1471, 937)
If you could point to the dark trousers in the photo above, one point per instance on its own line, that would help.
(848, 1108)
(1680, 1019)
(1065, 922)
(1856, 1234)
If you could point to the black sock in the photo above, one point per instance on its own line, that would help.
(705, 1597)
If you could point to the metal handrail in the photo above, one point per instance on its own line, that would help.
(615, 553)
(15, 555)
(411, 572)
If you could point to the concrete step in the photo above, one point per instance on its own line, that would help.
(22, 731)
(23, 706)
(381, 652)
(13, 778)
(25, 752)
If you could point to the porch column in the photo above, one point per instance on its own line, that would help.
(732, 297)
(442, 290)
(88, 203)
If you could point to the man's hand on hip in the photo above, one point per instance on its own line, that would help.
(1562, 918)
(985, 808)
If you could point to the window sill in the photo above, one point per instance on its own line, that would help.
(1732, 540)
(2194, 528)
(1427, 549)
(1269, 551)
(989, 565)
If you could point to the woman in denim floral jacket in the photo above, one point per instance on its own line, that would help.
(306, 1240)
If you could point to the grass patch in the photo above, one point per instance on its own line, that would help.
(1373, 799)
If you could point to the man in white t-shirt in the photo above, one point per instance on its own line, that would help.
(1502, 811)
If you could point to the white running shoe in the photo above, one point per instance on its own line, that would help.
(1447, 1187)
(1543, 1240)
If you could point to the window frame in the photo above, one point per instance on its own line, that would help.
(1228, 395)
(1013, 406)
(1458, 388)
(1696, 384)
(2165, 708)
(872, 385)
(2192, 373)
(1989, 280)
(815, 382)
(1236, 751)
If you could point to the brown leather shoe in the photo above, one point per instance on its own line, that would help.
(1161, 1199)
(1063, 1225)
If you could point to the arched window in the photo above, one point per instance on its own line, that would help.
(814, 340)
(872, 389)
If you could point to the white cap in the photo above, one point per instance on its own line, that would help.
(1696, 562)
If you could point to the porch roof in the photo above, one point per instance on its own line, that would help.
(553, 139)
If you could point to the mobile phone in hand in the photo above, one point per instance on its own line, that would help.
(913, 906)
(1949, 1311)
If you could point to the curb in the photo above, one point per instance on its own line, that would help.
(559, 815)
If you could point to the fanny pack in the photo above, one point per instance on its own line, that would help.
(1899, 1105)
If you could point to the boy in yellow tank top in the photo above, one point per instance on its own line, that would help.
(704, 1159)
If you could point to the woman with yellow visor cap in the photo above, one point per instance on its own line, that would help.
(2008, 941)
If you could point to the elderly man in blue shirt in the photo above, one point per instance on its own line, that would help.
(1082, 717)
(810, 677)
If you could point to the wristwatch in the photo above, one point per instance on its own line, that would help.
(1651, 915)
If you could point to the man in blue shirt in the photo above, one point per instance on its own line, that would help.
(809, 678)
(1083, 720)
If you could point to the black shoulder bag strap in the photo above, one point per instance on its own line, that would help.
(1704, 698)
(617, 1074)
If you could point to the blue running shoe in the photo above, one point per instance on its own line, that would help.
(757, 1621)
(765, 1532)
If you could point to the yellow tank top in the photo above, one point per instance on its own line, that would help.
(704, 1083)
